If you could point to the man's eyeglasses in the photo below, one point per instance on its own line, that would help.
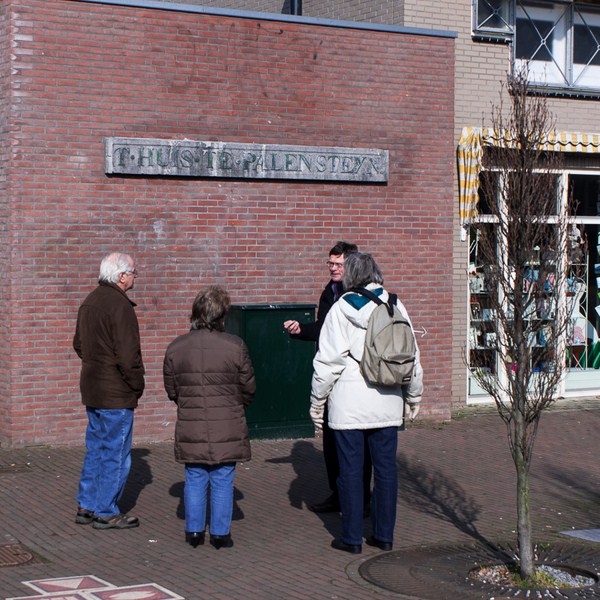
(131, 272)
(335, 265)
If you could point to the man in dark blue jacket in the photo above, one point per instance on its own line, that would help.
(310, 332)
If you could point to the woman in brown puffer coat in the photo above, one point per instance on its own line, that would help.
(209, 375)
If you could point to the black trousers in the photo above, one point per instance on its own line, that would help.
(332, 464)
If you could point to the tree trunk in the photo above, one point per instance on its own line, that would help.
(526, 565)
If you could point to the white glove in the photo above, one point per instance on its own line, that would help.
(317, 411)
(413, 411)
(316, 414)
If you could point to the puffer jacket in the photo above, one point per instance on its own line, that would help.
(107, 339)
(352, 403)
(210, 376)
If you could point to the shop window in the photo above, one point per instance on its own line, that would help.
(559, 41)
(580, 295)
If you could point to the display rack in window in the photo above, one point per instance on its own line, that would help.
(482, 331)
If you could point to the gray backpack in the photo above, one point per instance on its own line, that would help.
(390, 347)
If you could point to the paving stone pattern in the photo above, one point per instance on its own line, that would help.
(457, 486)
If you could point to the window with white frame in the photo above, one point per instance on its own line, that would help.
(559, 40)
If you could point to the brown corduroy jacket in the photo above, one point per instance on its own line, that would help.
(210, 376)
(107, 339)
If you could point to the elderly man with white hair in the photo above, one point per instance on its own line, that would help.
(107, 340)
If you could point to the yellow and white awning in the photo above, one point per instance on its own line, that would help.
(470, 153)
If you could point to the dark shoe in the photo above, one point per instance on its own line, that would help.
(373, 541)
(331, 504)
(84, 516)
(221, 541)
(352, 548)
(194, 538)
(116, 522)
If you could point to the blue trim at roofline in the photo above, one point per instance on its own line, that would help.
(265, 16)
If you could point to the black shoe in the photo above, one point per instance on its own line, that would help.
(373, 541)
(352, 548)
(221, 541)
(194, 538)
(331, 504)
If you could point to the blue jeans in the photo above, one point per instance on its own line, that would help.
(107, 460)
(383, 444)
(197, 479)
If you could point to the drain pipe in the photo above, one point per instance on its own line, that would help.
(296, 7)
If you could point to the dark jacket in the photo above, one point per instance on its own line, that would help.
(310, 331)
(210, 376)
(107, 339)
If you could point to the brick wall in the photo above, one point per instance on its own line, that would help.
(5, 151)
(84, 71)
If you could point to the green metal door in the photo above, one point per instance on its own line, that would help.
(283, 368)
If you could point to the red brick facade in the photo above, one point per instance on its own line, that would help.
(73, 73)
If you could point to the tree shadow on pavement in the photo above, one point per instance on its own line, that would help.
(434, 493)
(140, 476)
(176, 490)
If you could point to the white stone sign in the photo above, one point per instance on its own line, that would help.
(188, 158)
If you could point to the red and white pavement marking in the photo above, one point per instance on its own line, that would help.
(89, 587)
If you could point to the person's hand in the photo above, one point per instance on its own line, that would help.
(413, 411)
(292, 327)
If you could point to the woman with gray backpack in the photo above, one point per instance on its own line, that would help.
(365, 402)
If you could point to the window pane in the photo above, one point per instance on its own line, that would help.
(584, 191)
(534, 38)
(493, 14)
(488, 192)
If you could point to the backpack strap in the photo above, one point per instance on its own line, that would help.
(371, 296)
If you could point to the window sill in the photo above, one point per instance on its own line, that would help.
(558, 92)
(491, 38)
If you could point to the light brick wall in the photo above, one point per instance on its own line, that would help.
(480, 70)
(83, 71)
(387, 12)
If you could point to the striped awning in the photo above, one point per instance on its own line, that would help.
(470, 153)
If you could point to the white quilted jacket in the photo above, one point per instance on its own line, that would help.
(352, 402)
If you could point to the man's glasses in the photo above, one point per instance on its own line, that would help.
(335, 265)
(131, 272)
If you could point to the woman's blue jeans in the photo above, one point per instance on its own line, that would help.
(383, 444)
(107, 460)
(197, 480)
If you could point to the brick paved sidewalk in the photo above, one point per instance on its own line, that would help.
(456, 485)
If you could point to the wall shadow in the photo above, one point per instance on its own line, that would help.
(577, 488)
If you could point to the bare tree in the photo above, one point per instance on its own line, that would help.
(530, 253)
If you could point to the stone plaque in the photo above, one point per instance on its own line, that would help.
(188, 158)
